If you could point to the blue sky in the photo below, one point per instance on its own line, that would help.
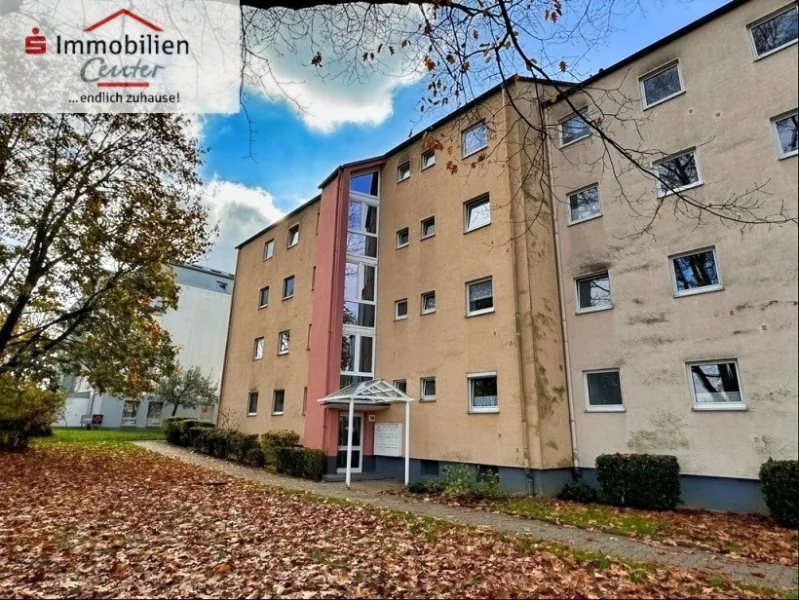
(292, 153)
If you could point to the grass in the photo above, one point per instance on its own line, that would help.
(90, 436)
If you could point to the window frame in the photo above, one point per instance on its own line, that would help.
(403, 381)
(654, 73)
(580, 191)
(482, 311)
(280, 341)
(422, 396)
(250, 396)
(424, 295)
(274, 402)
(422, 156)
(356, 352)
(700, 290)
(569, 117)
(397, 316)
(468, 205)
(661, 193)
(428, 220)
(261, 303)
(602, 408)
(400, 169)
(293, 282)
(730, 406)
(294, 229)
(470, 377)
(255, 356)
(786, 115)
(407, 232)
(772, 15)
(479, 123)
(579, 309)
(269, 249)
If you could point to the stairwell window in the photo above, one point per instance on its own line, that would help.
(785, 129)
(574, 127)
(252, 404)
(428, 159)
(401, 309)
(661, 85)
(477, 214)
(428, 303)
(695, 272)
(584, 205)
(283, 339)
(278, 402)
(428, 228)
(258, 349)
(678, 173)
(404, 171)
(603, 391)
(479, 297)
(269, 249)
(593, 293)
(263, 297)
(483, 396)
(775, 32)
(294, 236)
(715, 385)
(474, 139)
(288, 287)
(427, 388)
(403, 237)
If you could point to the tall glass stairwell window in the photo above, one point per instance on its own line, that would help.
(360, 280)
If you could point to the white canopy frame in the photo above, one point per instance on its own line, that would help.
(373, 393)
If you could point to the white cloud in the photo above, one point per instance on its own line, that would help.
(239, 212)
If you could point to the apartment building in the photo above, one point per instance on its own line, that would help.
(547, 302)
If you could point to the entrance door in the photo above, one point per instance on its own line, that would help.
(154, 410)
(357, 443)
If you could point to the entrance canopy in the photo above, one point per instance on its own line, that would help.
(373, 394)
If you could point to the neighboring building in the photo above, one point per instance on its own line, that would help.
(198, 328)
(497, 313)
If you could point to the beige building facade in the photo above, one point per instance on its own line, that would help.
(547, 302)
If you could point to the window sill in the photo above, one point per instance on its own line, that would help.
(259, 358)
(775, 50)
(288, 297)
(252, 414)
(267, 258)
(282, 353)
(400, 318)
(685, 188)
(585, 311)
(473, 152)
(277, 414)
(591, 218)
(427, 237)
(662, 100)
(427, 399)
(484, 411)
(702, 290)
(427, 312)
(402, 246)
(789, 155)
(726, 407)
(608, 409)
(403, 179)
(427, 167)
(263, 306)
(574, 141)
(292, 246)
(465, 231)
(479, 313)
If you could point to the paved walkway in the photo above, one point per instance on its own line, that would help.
(367, 492)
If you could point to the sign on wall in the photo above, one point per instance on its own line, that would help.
(388, 439)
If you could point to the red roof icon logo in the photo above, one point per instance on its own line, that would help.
(120, 13)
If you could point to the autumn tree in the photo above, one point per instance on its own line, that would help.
(187, 388)
(94, 209)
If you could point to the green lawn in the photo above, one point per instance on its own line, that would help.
(86, 436)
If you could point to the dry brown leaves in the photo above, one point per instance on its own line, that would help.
(118, 522)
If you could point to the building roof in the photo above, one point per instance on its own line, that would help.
(202, 269)
(285, 217)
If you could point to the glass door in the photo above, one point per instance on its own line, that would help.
(357, 443)
(154, 411)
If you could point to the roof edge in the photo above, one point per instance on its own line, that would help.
(285, 217)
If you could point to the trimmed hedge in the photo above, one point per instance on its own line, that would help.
(278, 438)
(240, 444)
(254, 457)
(300, 462)
(171, 428)
(578, 490)
(639, 480)
(779, 482)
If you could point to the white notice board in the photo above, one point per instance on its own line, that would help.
(388, 439)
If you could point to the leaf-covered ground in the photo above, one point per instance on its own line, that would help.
(754, 537)
(111, 520)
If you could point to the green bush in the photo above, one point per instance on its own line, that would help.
(779, 482)
(171, 429)
(488, 485)
(279, 438)
(466, 482)
(219, 443)
(426, 487)
(300, 462)
(578, 491)
(241, 444)
(26, 410)
(314, 463)
(254, 457)
(639, 480)
(197, 437)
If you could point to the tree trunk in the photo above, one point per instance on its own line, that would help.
(174, 409)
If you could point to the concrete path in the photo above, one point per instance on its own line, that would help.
(367, 492)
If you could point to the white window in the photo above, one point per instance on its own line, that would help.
(401, 385)
(283, 342)
(428, 303)
(661, 85)
(263, 297)
(775, 32)
(677, 173)
(252, 404)
(428, 159)
(365, 183)
(474, 139)
(278, 402)
(258, 349)
(479, 297)
(294, 236)
(401, 309)
(403, 238)
(483, 396)
(574, 127)
(428, 227)
(404, 171)
(357, 355)
(785, 128)
(593, 293)
(359, 294)
(695, 272)
(477, 213)
(288, 287)
(269, 249)
(715, 385)
(584, 205)
(362, 229)
(603, 391)
(427, 388)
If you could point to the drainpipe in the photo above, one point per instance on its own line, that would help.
(517, 320)
(563, 325)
